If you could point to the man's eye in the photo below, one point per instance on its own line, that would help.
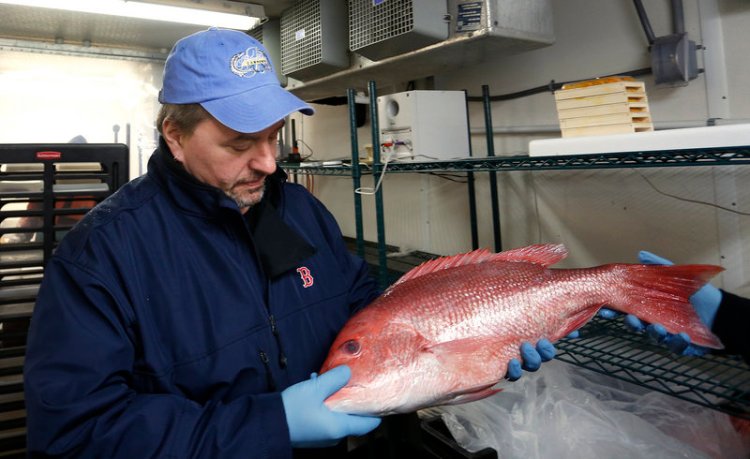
(244, 146)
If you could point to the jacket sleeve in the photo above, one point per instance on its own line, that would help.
(81, 402)
(731, 324)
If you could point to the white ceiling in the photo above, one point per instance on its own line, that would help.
(50, 26)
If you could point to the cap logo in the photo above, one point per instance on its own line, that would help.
(249, 62)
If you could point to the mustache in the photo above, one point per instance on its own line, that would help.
(250, 180)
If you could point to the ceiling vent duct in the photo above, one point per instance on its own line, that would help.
(384, 28)
(313, 39)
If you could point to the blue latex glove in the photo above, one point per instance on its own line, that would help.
(607, 313)
(532, 358)
(706, 302)
(311, 423)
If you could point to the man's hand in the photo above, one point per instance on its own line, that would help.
(311, 423)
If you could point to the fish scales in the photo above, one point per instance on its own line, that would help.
(492, 305)
(445, 332)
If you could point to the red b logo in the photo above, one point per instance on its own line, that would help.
(304, 274)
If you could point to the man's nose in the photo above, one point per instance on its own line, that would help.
(264, 159)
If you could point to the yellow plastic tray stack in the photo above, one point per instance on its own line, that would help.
(604, 106)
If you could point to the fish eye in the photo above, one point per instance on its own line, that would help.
(351, 347)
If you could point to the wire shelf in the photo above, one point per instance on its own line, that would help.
(723, 156)
(608, 347)
(295, 168)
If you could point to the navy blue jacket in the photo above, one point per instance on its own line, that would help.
(168, 322)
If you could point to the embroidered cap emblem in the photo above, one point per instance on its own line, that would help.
(249, 62)
(307, 279)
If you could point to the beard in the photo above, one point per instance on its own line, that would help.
(247, 197)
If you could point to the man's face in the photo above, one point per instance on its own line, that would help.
(236, 163)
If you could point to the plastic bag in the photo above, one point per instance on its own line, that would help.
(564, 411)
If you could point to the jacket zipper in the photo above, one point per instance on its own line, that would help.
(269, 376)
(275, 331)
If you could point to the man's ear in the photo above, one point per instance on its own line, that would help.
(174, 136)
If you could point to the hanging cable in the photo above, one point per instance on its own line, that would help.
(645, 22)
(552, 86)
(678, 16)
(306, 146)
(693, 201)
(371, 191)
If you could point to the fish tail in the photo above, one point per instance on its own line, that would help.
(661, 294)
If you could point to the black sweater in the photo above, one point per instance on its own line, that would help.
(731, 324)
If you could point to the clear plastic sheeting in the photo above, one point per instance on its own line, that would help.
(565, 411)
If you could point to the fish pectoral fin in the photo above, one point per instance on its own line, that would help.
(472, 396)
(464, 355)
(578, 320)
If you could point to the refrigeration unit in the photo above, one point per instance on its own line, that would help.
(269, 34)
(379, 29)
(384, 28)
(313, 39)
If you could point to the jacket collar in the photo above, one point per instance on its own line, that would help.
(195, 197)
(279, 247)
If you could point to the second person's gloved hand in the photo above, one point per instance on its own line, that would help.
(311, 423)
(532, 358)
(706, 302)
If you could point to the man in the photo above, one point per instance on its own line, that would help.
(184, 315)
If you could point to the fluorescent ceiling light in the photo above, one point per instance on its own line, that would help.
(141, 10)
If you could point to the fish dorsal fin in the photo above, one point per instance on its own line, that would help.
(543, 254)
(438, 264)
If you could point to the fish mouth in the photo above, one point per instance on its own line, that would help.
(349, 387)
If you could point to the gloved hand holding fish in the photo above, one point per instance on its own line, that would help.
(446, 330)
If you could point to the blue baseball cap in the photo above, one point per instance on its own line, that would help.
(229, 74)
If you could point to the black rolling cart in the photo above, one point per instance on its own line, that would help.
(44, 190)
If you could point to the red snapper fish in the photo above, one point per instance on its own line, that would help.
(446, 330)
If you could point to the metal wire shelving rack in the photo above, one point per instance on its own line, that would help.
(724, 156)
(720, 382)
(605, 346)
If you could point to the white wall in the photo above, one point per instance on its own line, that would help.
(52, 98)
(602, 216)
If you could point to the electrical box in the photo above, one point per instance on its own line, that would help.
(313, 39)
(423, 126)
(382, 28)
(674, 60)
